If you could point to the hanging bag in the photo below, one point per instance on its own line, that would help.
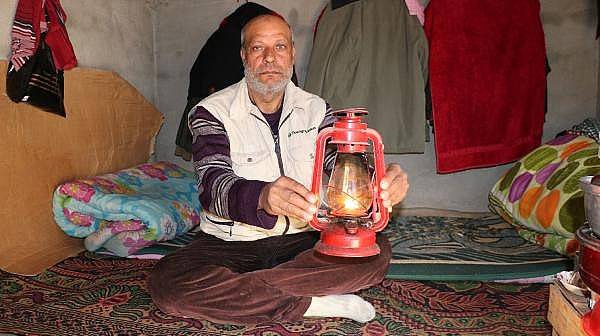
(37, 82)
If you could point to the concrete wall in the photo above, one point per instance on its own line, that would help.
(153, 43)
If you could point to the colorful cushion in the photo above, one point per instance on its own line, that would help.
(541, 195)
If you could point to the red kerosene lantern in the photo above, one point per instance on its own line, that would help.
(353, 211)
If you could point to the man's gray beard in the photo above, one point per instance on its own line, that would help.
(264, 89)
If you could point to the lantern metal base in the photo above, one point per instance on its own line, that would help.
(591, 321)
(336, 241)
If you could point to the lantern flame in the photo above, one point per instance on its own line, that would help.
(350, 191)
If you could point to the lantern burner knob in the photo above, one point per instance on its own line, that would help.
(351, 226)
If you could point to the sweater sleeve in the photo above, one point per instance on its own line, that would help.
(222, 192)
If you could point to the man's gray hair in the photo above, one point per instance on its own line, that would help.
(243, 33)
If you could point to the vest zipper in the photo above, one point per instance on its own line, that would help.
(278, 152)
(279, 159)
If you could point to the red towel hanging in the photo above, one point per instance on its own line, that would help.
(488, 80)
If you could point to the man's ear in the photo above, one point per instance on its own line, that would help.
(243, 54)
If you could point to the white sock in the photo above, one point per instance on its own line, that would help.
(348, 305)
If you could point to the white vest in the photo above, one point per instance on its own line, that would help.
(253, 150)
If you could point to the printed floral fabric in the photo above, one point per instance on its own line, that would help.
(129, 209)
(541, 194)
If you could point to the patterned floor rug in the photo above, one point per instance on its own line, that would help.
(454, 248)
(100, 295)
(447, 248)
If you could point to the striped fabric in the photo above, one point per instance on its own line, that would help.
(25, 31)
(45, 83)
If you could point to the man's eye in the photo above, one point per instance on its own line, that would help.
(280, 47)
(257, 48)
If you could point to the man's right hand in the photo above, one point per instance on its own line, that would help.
(287, 197)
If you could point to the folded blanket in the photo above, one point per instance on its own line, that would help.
(129, 209)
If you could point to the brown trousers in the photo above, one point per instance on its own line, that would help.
(250, 282)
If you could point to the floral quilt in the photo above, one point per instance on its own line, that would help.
(129, 209)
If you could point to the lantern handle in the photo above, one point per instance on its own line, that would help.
(317, 179)
(378, 157)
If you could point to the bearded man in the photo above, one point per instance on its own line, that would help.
(253, 150)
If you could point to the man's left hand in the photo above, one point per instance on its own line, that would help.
(394, 186)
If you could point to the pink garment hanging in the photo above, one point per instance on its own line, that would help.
(416, 8)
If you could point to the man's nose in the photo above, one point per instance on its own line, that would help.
(269, 55)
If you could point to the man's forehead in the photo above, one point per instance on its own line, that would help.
(268, 27)
(264, 35)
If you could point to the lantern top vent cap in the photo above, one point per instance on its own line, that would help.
(350, 112)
